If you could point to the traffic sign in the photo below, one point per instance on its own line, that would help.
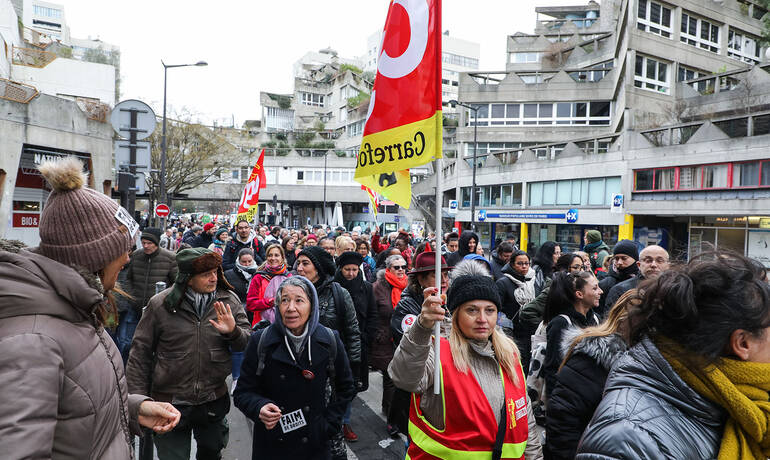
(121, 119)
(162, 210)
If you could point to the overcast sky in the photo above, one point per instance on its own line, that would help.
(251, 45)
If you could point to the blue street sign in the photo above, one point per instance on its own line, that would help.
(481, 215)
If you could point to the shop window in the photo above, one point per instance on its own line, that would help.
(643, 180)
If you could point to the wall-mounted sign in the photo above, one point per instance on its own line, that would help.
(524, 215)
(572, 216)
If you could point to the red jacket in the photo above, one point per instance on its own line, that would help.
(255, 301)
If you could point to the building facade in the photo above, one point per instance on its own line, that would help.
(601, 98)
(51, 106)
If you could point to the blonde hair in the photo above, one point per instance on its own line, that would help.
(506, 351)
(616, 322)
(270, 247)
(342, 242)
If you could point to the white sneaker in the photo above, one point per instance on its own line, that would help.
(232, 389)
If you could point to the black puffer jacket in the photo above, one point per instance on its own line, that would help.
(555, 334)
(649, 412)
(613, 277)
(145, 270)
(621, 288)
(341, 318)
(578, 390)
(497, 265)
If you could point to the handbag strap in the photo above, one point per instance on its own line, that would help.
(497, 450)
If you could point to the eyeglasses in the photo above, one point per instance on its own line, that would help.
(522, 264)
(398, 267)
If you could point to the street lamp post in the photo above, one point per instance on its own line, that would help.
(163, 197)
(453, 102)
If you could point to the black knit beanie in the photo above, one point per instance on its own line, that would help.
(626, 247)
(322, 260)
(152, 234)
(349, 258)
(472, 287)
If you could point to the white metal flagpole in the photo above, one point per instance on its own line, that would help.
(437, 249)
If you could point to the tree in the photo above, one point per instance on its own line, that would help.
(195, 155)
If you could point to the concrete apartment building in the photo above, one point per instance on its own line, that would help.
(643, 119)
(51, 105)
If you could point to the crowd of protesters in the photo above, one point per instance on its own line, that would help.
(610, 352)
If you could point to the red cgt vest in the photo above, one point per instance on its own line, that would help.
(470, 427)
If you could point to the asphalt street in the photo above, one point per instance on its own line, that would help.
(367, 421)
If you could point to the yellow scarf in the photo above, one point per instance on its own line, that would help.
(741, 388)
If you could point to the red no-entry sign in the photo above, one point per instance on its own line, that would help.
(162, 210)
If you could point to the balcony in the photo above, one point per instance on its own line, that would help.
(17, 92)
(31, 57)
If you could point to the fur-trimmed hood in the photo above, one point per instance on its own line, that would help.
(604, 350)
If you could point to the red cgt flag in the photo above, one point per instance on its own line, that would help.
(404, 124)
(247, 207)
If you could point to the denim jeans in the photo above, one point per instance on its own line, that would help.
(346, 417)
(125, 334)
(237, 358)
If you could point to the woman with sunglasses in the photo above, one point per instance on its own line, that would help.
(387, 292)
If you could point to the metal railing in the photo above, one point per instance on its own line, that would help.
(17, 92)
(31, 57)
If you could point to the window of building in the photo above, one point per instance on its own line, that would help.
(585, 192)
(665, 179)
(525, 57)
(531, 78)
(279, 119)
(651, 74)
(48, 12)
(699, 32)
(356, 129)
(300, 176)
(462, 61)
(655, 18)
(742, 46)
(715, 176)
(550, 113)
(746, 174)
(702, 177)
(313, 99)
(685, 73)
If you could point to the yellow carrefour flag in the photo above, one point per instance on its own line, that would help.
(403, 127)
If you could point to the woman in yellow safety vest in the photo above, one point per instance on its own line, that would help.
(482, 407)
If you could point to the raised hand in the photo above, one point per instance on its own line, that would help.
(225, 322)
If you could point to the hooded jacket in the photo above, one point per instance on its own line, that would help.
(649, 412)
(462, 247)
(579, 388)
(203, 240)
(282, 383)
(62, 384)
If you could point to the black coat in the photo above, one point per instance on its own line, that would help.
(362, 294)
(497, 265)
(578, 390)
(282, 384)
(619, 289)
(341, 318)
(239, 283)
(613, 277)
(410, 304)
(462, 248)
(649, 412)
(234, 246)
(555, 334)
(203, 240)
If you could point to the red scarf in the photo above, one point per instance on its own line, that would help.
(398, 285)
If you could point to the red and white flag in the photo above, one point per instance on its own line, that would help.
(248, 205)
